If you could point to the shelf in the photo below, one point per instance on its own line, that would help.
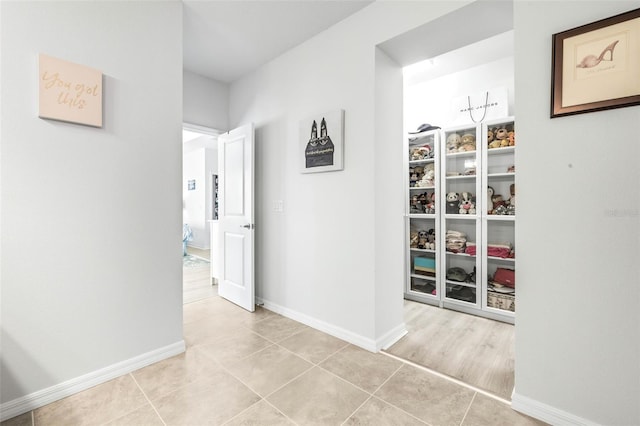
(502, 259)
(461, 154)
(461, 216)
(422, 250)
(464, 284)
(461, 177)
(499, 175)
(459, 254)
(412, 188)
(421, 216)
(503, 217)
(423, 277)
(426, 160)
(503, 150)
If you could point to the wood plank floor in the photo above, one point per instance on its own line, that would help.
(196, 280)
(475, 350)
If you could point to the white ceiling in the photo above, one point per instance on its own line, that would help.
(224, 40)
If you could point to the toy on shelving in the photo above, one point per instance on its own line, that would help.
(499, 205)
(490, 192)
(431, 204)
(511, 136)
(415, 206)
(423, 152)
(467, 203)
(413, 243)
(467, 143)
(511, 207)
(413, 177)
(453, 142)
(431, 239)
(453, 199)
(428, 178)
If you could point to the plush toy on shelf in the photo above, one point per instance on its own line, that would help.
(511, 208)
(413, 177)
(414, 240)
(511, 136)
(423, 152)
(466, 204)
(428, 178)
(467, 143)
(431, 204)
(490, 192)
(452, 202)
(453, 142)
(423, 240)
(416, 206)
(431, 239)
(497, 201)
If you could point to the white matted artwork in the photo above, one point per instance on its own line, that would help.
(69, 92)
(322, 142)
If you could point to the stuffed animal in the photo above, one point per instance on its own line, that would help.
(415, 207)
(452, 202)
(414, 240)
(422, 153)
(497, 201)
(489, 136)
(431, 239)
(511, 136)
(511, 208)
(428, 179)
(490, 192)
(467, 143)
(499, 205)
(512, 191)
(466, 204)
(423, 241)
(431, 204)
(453, 142)
(413, 177)
(501, 138)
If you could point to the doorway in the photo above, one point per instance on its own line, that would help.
(474, 350)
(199, 154)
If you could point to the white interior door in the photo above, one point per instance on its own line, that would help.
(235, 222)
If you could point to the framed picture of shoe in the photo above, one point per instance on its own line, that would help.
(322, 142)
(596, 66)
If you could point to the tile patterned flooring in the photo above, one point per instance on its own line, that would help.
(264, 369)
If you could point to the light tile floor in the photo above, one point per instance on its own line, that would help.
(264, 369)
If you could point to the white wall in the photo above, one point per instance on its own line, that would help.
(198, 163)
(578, 325)
(430, 101)
(206, 101)
(317, 259)
(193, 168)
(578, 228)
(91, 220)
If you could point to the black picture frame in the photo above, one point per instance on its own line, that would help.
(584, 75)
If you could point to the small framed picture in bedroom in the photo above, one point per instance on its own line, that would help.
(597, 66)
(322, 142)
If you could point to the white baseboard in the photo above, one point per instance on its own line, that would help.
(346, 335)
(547, 413)
(46, 396)
(392, 336)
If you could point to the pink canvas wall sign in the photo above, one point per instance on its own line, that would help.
(69, 92)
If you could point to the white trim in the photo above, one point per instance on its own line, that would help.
(547, 413)
(201, 129)
(391, 337)
(51, 394)
(353, 338)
